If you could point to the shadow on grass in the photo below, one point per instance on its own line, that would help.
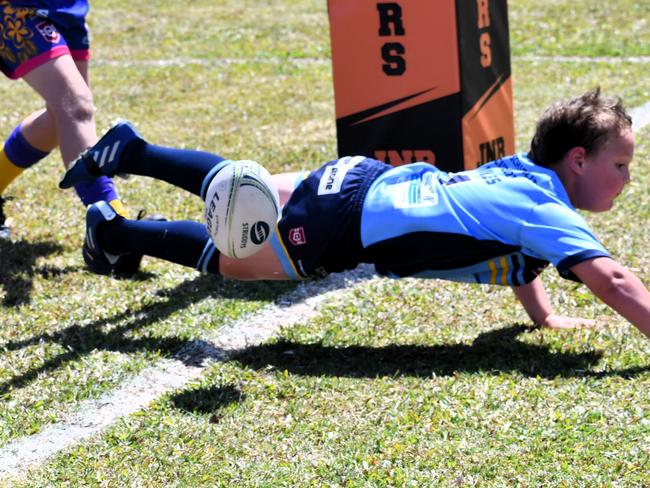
(495, 352)
(18, 261)
(207, 401)
(82, 340)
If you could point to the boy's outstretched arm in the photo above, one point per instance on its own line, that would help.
(535, 301)
(619, 288)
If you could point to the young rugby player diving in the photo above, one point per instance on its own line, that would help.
(502, 223)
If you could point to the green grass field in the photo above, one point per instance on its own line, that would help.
(406, 383)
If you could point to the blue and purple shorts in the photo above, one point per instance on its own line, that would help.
(34, 32)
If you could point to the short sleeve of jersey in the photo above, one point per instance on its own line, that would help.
(561, 236)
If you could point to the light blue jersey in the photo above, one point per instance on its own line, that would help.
(500, 224)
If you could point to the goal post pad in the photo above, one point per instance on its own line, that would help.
(419, 80)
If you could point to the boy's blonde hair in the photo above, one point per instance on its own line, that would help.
(585, 121)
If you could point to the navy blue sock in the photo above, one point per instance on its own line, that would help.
(184, 168)
(182, 241)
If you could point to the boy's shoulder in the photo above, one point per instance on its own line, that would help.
(518, 173)
(516, 166)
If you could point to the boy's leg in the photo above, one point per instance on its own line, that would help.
(33, 140)
(16, 155)
(122, 150)
(188, 169)
(263, 265)
(184, 242)
(102, 188)
(36, 137)
(62, 83)
(69, 103)
(109, 236)
(188, 243)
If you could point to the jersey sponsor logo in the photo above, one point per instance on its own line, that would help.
(514, 168)
(297, 236)
(333, 176)
(490, 176)
(48, 32)
(416, 192)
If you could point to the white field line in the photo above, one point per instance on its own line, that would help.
(182, 62)
(584, 59)
(92, 416)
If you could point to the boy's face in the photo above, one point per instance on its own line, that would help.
(604, 174)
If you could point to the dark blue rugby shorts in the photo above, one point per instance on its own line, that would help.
(319, 231)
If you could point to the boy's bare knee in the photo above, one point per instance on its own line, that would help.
(74, 108)
(82, 108)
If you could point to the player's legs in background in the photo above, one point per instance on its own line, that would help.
(39, 131)
(63, 83)
(29, 142)
(69, 104)
(103, 187)
(38, 134)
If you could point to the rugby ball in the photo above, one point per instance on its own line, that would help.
(241, 208)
